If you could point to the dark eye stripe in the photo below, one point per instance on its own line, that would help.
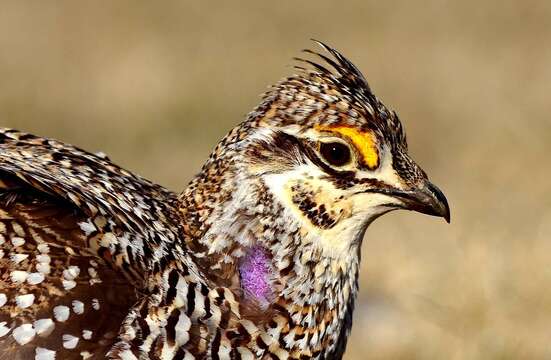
(284, 148)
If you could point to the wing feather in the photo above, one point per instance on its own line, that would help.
(78, 235)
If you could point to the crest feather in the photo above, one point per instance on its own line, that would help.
(344, 73)
(338, 70)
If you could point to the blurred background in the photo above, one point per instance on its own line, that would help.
(156, 84)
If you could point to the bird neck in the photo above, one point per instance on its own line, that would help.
(244, 239)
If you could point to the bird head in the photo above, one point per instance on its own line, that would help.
(333, 154)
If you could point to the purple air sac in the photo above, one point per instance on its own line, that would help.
(255, 274)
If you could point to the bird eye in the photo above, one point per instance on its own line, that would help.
(335, 153)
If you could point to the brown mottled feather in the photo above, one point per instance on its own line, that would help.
(49, 229)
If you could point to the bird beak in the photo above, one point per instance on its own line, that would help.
(427, 199)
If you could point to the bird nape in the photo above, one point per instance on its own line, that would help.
(257, 258)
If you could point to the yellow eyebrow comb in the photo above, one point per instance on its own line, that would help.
(364, 141)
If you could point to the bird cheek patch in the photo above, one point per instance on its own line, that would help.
(364, 141)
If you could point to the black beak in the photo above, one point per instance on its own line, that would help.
(430, 200)
(427, 199)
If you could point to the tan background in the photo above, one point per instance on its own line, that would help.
(155, 85)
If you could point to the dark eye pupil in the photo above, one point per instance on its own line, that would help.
(335, 153)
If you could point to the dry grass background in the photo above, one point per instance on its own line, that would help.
(156, 84)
